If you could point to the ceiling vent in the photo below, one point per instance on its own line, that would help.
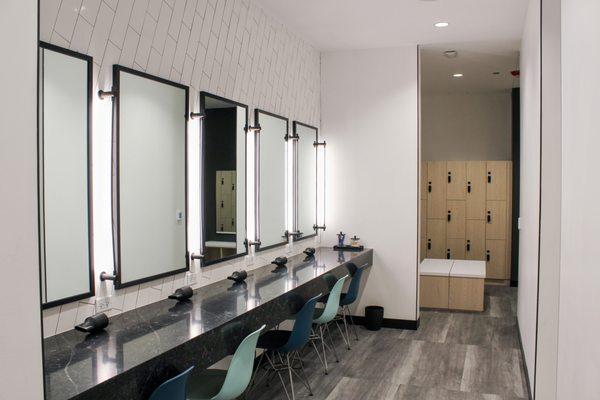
(451, 54)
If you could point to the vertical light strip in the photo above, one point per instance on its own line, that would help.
(195, 180)
(321, 163)
(289, 198)
(251, 185)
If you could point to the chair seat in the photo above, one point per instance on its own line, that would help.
(204, 385)
(342, 299)
(273, 340)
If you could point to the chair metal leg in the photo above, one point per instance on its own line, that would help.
(345, 336)
(337, 359)
(352, 322)
(302, 374)
(289, 368)
(322, 337)
(280, 377)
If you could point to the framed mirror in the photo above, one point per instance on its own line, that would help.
(223, 178)
(305, 180)
(64, 172)
(271, 144)
(149, 177)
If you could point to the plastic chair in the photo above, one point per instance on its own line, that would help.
(214, 384)
(349, 298)
(174, 388)
(323, 318)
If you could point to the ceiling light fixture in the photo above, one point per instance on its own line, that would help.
(441, 24)
(458, 75)
(451, 54)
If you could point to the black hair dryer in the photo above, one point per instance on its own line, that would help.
(182, 294)
(93, 324)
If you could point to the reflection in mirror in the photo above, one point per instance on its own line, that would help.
(150, 166)
(224, 177)
(64, 175)
(272, 147)
(305, 200)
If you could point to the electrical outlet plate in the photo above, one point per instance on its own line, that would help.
(191, 278)
(102, 304)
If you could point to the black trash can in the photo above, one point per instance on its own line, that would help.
(373, 317)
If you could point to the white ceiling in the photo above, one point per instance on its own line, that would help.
(360, 24)
(477, 61)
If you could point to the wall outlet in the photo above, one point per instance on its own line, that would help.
(102, 304)
(190, 278)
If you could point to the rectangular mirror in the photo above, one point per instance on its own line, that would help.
(64, 160)
(305, 180)
(149, 177)
(223, 177)
(271, 146)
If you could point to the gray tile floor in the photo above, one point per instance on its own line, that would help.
(453, 356)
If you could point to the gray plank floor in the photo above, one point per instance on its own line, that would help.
(452, 356)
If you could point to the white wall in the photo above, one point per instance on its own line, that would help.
(530, 184)
(20, 344)
(578, 347)
(466, 126)
(369, 110)
(232, 49)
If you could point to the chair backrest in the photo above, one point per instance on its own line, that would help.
(302, 326)
(241, 367)
(353, 288)
(173, 389)
(333, 303)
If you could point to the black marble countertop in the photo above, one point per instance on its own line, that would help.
(144, 347)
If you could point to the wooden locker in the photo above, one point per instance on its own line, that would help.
(457, 180)
(476, 189)
(496, 259)
(436, 238)
(496, 217)
(424, 180)
(455, 249)
(423, 213)
(436, 189)
(497, 180)
(475, 240)
(456, 219)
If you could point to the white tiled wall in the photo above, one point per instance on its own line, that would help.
(231, 48)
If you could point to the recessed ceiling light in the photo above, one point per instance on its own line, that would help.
(458, 75)
(441, 24)
(451, 54)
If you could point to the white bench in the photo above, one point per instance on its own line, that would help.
(434, 285)
(467, 281)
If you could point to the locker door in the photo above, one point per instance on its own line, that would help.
(423, 249)
(456, 219)
(476, 189)
(496, 259)
(423, 212)
(475, 240)
(436, 189)
(455, 249)
(496, 220)
(436, 238)
(457, 180)
(497, 175)
(424, 180)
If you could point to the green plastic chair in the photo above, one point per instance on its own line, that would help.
(322, 320)
(215, 384)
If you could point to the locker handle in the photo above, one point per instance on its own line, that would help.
(449, 177)
(428, 244)
(468, 245)
(469, 187)
(429, 187)
(448, 254)
(489, 177)
(449, 216)
(222, 181)
(489, 217)
(232, 187)
(487, 257)
(222, 205)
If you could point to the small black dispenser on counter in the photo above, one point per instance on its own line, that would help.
(182, 294)
(280, 263)
(238, 276)
(94, 324)
(310, 252)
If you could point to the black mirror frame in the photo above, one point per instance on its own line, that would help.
(257, 112)
(41, 225)
(203, 96)
(115, 154)
(295, 126)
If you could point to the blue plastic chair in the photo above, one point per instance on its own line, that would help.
(287, 345)
(349, 298)
(174, 388)
(215, 384)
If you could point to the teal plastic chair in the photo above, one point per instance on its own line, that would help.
(174, 388)
(322, 319)
(215, 384)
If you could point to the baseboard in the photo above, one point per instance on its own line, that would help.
(390, 323)
(527, 383)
